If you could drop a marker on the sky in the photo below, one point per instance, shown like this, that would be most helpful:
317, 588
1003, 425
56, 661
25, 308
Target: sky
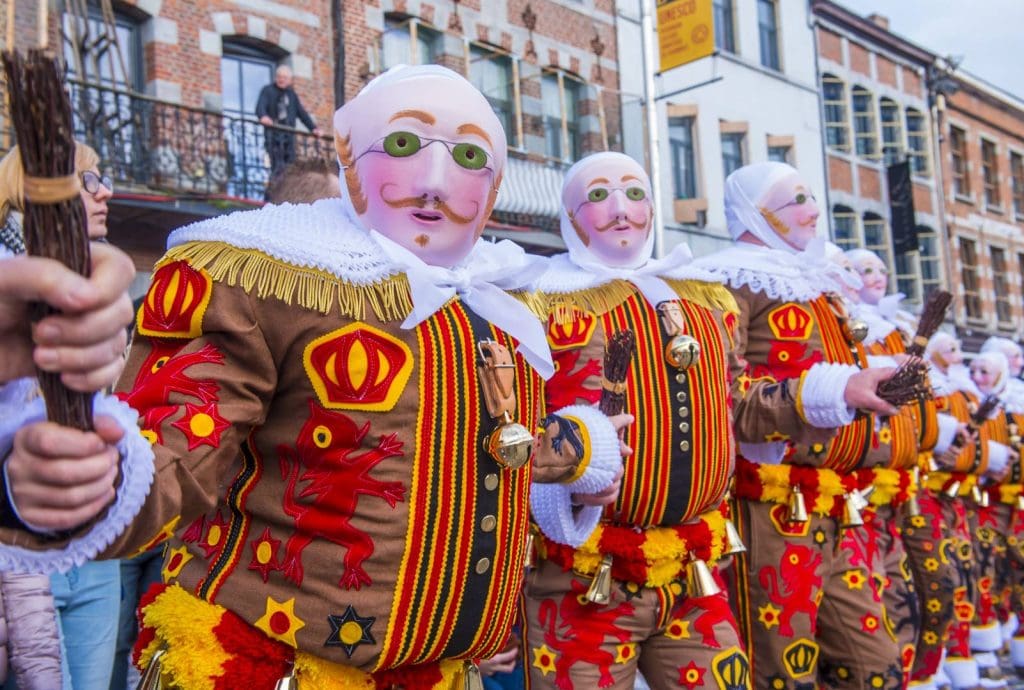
987, 33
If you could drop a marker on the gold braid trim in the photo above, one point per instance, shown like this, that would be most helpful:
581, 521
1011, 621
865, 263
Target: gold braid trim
602, 299
311, 288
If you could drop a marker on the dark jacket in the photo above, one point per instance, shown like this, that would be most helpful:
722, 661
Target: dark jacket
267, 106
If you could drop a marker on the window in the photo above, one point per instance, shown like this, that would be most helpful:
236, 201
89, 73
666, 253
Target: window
724, 36
491, 73
837, 129
732, 152
684, 168
907, 276
876, 238
844, 224
917, 142
90, 57
990, 173
1001, 285
892, 131
1017, 175
864, 127
958, 162
930, 264
768, 30
779, 154
398, 41
969, 277
244, 71
559, 113
1020, 274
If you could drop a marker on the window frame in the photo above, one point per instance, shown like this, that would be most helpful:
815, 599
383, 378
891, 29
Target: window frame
740, 138
569, 136
883, 247
1000, 286
134, 60
773, 59
839, 126
508, 119
970, 279
892, 131
726, 9
920, 157
865, 117
990, 175
1017, 183
840, 214
928, 255
960, 178
676, 149
415, 27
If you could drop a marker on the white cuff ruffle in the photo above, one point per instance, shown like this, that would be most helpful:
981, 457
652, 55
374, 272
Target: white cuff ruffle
822, 395
987, 638
551, 504
998, 456
948, 424
768, 453
137, 470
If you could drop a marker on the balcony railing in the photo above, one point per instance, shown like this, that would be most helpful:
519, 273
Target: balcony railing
151, 144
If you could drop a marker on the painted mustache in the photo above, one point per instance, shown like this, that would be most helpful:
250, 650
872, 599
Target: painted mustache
642, 225
435, 204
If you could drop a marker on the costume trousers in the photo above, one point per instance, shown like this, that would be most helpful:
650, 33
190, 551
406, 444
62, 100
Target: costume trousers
884, 526
989, 526
808, 606
676, 641
934, 541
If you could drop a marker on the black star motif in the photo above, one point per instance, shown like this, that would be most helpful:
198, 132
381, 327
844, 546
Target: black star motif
344, 635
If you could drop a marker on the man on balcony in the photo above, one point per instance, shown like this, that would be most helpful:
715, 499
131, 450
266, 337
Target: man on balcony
278, 107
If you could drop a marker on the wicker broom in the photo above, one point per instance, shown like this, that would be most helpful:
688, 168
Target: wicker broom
55, 223
618, 352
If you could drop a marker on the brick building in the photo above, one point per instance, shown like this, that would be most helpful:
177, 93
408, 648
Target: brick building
875, 108
166, 90
982, 148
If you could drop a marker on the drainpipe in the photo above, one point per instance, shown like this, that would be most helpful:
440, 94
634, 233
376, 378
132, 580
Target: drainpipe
653, 143
812, 21
338, 31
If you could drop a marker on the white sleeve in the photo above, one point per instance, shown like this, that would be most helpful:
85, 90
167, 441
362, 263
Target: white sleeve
822, 400
948, 424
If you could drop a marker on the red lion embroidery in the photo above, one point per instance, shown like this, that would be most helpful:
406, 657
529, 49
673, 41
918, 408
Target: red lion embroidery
786, 361
583, 629
796, 575
565, 386
709, 612
325, 445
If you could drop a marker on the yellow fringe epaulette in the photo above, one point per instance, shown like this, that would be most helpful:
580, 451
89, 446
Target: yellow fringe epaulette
311, 288
603, 298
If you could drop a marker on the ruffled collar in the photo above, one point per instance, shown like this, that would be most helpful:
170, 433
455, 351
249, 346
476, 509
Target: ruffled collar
779, 274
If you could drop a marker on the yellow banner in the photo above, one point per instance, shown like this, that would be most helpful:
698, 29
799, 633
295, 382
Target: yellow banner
685, 32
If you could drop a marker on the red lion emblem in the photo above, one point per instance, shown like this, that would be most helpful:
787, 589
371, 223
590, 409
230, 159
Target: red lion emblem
583, 629
786, 361
796, 575
336, 477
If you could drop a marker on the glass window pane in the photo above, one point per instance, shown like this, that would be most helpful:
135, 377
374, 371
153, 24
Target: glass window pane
724, 39
255, 75
768, 31
732, 152
231, 84
680, 135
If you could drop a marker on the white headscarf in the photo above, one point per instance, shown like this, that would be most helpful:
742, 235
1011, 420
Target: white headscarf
644, 271
998, 362
744, 190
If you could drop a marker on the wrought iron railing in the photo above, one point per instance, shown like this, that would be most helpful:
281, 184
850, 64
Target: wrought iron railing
152, 144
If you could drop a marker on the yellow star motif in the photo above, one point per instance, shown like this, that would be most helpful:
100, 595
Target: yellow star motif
175, 561
929, 637
544, 659
280, 621
918, 521
931, 565
854, 579
165, 533
625, 652
678, 630
934, 605
885, 435
768, 616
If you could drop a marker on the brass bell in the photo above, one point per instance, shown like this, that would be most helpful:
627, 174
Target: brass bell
980, 496
953, 490
851, 511
733, 542
528, 559
151, 679
700, 581
860, 496
912, 507
473, 681
682, 351
511, 444
1020, 501
600, 591
287, 682
797, 509
858, 330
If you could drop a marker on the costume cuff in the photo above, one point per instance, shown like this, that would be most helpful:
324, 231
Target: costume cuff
882, 362
770, 453
985, 638
998, 457
137, 471
821, 398
551, 504
14, 395
948, 424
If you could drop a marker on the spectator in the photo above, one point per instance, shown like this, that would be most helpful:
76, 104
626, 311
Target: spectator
278, 108
304, 182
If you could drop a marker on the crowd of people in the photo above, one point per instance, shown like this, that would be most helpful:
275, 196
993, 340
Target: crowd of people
367, 448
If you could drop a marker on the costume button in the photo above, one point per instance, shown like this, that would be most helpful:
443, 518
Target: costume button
488, 523
684, 427
684, 412
681, 396
483, 565
491, 482
680, 378
684, 446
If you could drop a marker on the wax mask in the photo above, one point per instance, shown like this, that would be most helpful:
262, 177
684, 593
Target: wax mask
423, 155
791, 210
1010, 349
945, 351
874, 275
839, 258
988, 371
607, 199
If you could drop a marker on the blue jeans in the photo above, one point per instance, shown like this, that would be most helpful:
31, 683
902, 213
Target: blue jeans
137, 574
87, 599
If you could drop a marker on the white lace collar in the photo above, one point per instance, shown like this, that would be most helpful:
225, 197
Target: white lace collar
783, 275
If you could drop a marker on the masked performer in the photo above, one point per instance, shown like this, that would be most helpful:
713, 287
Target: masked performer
341, 399
598, 607
806, 602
